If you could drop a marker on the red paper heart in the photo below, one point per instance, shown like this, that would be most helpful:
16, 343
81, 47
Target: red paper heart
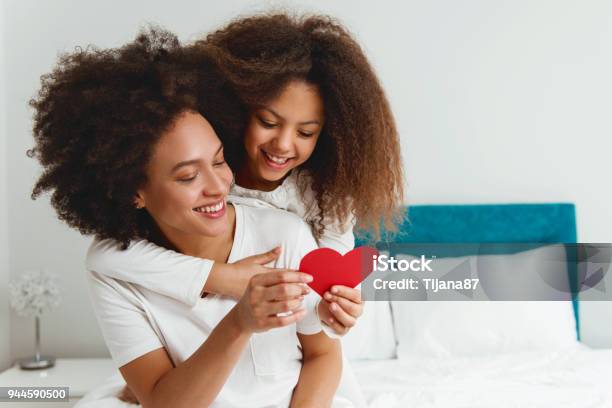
329, 268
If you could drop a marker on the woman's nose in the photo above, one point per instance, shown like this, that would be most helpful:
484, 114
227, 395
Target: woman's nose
215, 185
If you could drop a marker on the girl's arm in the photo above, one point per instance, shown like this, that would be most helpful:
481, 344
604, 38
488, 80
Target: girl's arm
154, 267
338, 237
340, 309
321, 371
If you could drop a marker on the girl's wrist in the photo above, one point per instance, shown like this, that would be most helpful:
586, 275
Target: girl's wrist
226, 280
240, 276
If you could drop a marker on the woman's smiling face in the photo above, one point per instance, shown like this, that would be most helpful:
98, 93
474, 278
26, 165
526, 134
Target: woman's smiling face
187, 180
281, 135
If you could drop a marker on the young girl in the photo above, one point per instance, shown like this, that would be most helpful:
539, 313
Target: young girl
116, 132
317, 138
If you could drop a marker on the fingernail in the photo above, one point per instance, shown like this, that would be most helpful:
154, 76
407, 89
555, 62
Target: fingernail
327, 296
332, 306
331, 320
307, 278
334, 290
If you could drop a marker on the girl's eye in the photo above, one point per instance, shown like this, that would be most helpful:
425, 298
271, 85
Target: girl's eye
305, 134
219, 163
266, 124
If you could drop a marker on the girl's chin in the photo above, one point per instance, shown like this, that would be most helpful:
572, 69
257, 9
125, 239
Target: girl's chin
273, 178
272, 175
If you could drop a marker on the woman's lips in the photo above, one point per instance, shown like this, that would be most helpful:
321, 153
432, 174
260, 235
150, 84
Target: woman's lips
213, 214
273, 164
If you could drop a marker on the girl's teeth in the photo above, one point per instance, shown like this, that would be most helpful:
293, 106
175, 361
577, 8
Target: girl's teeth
276, 159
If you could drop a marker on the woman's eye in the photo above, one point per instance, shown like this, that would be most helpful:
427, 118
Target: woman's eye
187, 179
219, 163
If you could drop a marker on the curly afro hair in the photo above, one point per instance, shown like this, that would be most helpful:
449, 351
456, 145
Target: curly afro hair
356, 166
99, 114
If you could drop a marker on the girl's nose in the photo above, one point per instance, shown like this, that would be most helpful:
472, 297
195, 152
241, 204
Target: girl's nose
284, 140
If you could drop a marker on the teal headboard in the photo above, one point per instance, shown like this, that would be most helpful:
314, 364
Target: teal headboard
487, 223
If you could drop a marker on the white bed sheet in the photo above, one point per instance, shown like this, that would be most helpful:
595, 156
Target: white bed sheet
575, 378
578, 377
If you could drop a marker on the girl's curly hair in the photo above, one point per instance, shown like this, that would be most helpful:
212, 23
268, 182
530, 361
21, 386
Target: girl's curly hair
356, 166
99, 114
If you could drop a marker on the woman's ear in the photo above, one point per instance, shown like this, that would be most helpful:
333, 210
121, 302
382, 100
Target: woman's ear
139, 201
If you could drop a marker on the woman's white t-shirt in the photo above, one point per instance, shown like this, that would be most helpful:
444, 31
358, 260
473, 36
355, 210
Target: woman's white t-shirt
135, 320
152, 266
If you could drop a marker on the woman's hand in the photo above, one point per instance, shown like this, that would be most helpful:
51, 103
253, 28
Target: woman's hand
272, 299
126, 395
340, 308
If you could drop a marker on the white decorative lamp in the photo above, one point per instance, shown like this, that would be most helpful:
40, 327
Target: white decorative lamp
33, 294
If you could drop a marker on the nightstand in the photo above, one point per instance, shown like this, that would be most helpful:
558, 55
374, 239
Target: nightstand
79, 374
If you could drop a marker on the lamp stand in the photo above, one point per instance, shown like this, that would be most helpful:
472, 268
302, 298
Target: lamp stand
38, 361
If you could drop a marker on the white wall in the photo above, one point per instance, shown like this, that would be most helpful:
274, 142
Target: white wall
497, 101
5, 356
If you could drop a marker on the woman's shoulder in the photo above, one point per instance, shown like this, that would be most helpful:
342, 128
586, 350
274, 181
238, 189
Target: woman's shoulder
262, 229
269, 218
271, 226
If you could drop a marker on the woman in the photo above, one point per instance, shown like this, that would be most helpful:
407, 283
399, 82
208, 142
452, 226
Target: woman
119, 134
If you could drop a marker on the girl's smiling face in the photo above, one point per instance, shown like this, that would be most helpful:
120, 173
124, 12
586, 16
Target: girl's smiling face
281, 135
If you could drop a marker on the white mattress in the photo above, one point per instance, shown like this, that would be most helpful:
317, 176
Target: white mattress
580, 377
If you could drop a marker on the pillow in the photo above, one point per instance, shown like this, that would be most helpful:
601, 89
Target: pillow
477, 328
372, 337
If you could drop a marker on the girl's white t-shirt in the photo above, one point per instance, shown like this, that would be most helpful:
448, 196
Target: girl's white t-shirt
288, 197
135, 320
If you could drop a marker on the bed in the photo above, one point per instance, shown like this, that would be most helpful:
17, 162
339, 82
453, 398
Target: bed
484, 354
471, 354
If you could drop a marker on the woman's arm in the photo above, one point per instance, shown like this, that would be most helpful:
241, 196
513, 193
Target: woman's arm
321, 371
154, 267
197, 381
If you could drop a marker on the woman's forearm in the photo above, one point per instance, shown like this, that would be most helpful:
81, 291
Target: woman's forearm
318, 379
198, 380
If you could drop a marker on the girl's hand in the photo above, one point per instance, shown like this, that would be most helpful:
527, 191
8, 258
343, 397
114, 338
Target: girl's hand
270, 294
341, 308
232, 279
